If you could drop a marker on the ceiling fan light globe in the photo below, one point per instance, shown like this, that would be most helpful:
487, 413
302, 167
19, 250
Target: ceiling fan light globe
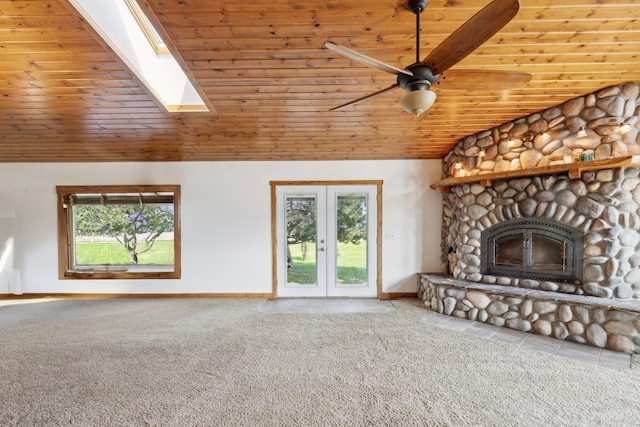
417, 101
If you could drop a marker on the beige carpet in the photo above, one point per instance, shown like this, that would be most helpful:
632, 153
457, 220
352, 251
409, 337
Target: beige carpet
223, 362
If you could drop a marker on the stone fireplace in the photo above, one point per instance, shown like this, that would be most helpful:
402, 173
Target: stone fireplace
537, 240
596, 214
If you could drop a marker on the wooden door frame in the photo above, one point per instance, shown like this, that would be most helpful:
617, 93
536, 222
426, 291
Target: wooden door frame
274, 250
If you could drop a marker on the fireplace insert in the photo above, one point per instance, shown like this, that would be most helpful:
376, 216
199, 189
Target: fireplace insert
532, 248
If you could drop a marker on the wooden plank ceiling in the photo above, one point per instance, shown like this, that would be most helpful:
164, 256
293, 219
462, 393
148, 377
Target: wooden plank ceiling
262, 64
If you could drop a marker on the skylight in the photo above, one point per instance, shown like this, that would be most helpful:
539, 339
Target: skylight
129, 32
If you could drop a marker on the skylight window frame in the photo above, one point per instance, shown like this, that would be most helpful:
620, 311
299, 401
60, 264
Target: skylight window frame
192, 98
147, 28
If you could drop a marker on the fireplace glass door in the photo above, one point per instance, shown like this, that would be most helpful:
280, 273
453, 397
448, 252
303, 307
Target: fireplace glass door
533, 251
528, 248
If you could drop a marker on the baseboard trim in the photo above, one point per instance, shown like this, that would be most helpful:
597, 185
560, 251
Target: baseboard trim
386, 295
398, 295
198, 295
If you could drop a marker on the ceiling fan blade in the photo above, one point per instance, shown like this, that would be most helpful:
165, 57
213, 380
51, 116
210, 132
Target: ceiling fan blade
482, 80
366, 60
371, 95
472, 34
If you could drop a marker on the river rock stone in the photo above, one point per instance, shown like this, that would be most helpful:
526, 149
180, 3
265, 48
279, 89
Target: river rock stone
471, 260
575, 328
518, 130
579, 188
581, 314
529, 159
595, 289
634, 260
497, 308
542, 327
630, 91
526, 308
484, 199
547, 147
619, 149
620, 328
527, 207
633, 276
609, 91
545, 196
593, 273
605, 175
566, 197
565, 314
496, 320
560, 331
623, 291
478, 299
449, 305
542, 307
592, 250
573, 107
510, 315
477, 211
589, 207
628, 237
460, 314
598, 315
612, 105
458, 294
621, 343
596, 335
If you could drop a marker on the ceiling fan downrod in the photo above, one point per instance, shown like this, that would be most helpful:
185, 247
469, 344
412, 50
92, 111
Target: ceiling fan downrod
417, 7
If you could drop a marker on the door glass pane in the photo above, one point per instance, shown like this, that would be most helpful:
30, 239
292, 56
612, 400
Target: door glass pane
509, 251
548, 253
301, 231
351, 239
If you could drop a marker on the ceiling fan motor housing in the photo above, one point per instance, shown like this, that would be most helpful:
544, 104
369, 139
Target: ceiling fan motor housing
422, 79
417, 6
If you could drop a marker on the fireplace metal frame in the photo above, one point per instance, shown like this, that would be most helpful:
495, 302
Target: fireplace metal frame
573, 241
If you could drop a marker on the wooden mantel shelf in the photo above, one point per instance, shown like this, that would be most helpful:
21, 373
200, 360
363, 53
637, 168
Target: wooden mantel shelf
574, 170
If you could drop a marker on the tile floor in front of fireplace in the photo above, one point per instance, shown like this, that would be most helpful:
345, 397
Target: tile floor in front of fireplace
584, 353
581, 352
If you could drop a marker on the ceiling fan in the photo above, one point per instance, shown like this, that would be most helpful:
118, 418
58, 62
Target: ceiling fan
418, 78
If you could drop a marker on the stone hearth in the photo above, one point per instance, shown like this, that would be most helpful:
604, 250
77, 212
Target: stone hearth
600, 322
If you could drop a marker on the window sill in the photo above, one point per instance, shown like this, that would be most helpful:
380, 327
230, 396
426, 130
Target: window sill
121, 272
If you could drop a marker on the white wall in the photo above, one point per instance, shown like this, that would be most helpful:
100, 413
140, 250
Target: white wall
225, 220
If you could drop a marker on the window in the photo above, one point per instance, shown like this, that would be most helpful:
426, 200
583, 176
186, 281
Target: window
144, 47
119, 232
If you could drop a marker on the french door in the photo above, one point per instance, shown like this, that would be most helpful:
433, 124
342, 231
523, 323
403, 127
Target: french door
326, 240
